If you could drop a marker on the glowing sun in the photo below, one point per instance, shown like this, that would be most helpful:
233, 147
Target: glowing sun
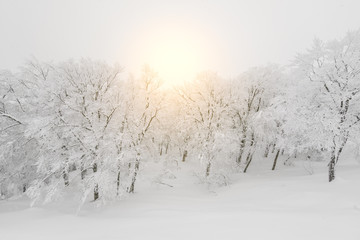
177, 55
176, 60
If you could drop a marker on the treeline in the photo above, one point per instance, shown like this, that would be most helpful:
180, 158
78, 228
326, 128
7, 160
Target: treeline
84, 125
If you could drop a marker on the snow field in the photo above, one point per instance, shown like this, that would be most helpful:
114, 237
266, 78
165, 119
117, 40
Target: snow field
286, 204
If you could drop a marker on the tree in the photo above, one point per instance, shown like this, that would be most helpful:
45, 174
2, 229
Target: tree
252, 93
142, 106
79, 134
207, 104
333, 71
17, 152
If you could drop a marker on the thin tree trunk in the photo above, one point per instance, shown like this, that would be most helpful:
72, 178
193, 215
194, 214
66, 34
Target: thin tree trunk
96, 192
332, 169
136, 170
275, 160
242, 147
166, 148
184, 155
83, 173
118, 183
250, 153
82, 170
332, 166
208, 167
341, 149
66, 178
250, 157
96, 188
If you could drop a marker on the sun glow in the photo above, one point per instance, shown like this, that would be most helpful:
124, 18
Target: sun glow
175, 60
176, 54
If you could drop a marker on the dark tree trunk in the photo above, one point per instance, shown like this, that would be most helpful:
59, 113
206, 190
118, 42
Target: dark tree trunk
82, 170
96, 188
184, 156
275, 160
341, 149
66, 178
118, 183
238, 160
208, 167
332, 166
250, 157
96, 192
136, 170
250, 153
335, 157
166, 148
242, 147
83, 174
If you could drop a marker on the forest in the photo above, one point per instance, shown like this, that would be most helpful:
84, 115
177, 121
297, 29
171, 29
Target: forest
84, 126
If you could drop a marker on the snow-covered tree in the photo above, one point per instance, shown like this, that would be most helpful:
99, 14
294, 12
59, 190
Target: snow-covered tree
142, 105
206, 100
17, 153
252, 93
332, 70
79, 135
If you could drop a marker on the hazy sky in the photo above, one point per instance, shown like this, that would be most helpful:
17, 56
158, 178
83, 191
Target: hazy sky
225, 36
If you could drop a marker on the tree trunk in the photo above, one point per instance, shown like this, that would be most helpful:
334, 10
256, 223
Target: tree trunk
136, 170
66, 178
238, 160
82, 171
96, 188
184, 155
275, 160
208, 167
250, 157
341, 149
83, 174
166, 148
96, 192
332, 166
251, 152
118, 183
242, 147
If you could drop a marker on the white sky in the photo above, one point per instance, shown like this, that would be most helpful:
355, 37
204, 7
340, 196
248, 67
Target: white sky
227, 36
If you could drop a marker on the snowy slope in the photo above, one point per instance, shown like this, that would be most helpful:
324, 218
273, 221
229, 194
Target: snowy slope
285, 204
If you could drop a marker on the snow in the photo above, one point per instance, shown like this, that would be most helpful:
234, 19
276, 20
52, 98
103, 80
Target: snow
288, 203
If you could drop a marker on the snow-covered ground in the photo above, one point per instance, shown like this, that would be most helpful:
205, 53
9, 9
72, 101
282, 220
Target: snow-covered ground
285, 204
